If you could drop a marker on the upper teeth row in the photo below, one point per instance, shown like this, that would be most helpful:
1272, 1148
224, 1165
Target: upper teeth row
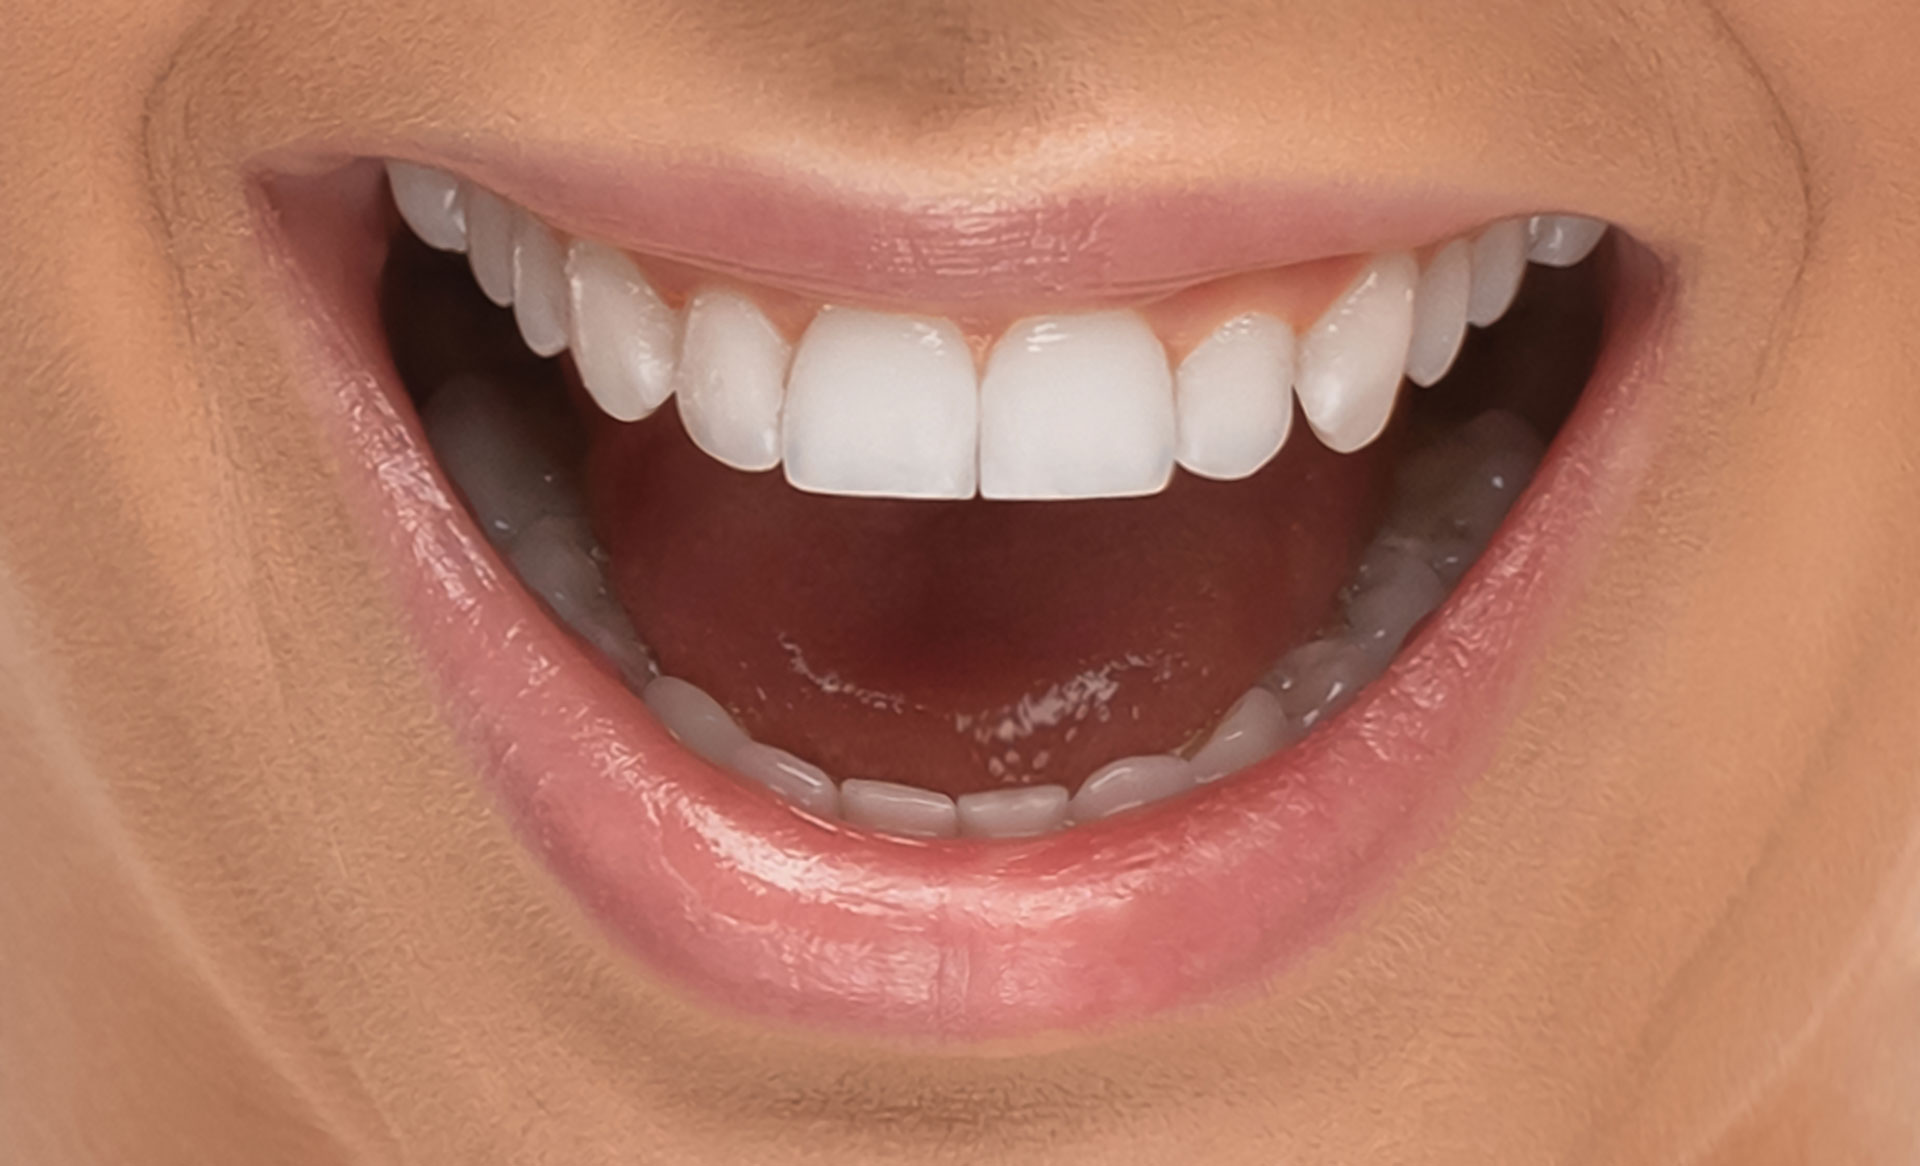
1069, 406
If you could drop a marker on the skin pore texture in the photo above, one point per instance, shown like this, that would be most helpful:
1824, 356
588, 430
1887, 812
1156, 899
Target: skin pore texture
259, 908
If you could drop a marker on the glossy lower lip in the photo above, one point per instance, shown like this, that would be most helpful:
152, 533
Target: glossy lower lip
761, 911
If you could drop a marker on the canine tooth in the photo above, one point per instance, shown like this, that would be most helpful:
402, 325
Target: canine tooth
1076, 407
695, 719
733, 368
624, 336
1233, 397
805, 785
1013, 813
554, 559
881, 405
1318, 679
1440, 313
898, 809
1562, 240
429, 200
489, 242
1396, 590
1131, 782
481, 441
1253, 730
1499, 264
539, 285
1352, 358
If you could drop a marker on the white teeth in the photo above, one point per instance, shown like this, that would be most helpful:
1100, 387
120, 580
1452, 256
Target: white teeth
1076, 407
1318, 679
881, 405
1233, 397
489, 242
898, 809
1351, 360
539, 285
1395, 589
695, 719
554, 559
1562, 240
733, 366
806, 786
624, 336
1254, 729
429, 200
1013, 813
1499, 264
1131, 782
481, 439
1440, 313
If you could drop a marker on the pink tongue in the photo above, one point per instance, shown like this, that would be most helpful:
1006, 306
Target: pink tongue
962, 646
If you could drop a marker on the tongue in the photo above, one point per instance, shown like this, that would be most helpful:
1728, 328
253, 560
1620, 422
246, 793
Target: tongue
961, 646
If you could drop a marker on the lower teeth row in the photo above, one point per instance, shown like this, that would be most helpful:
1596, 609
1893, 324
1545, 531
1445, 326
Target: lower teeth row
1450, 495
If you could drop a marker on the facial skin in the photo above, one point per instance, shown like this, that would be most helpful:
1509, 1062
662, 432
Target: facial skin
259, 909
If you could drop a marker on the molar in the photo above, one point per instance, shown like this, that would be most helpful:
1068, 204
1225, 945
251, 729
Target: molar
429, 200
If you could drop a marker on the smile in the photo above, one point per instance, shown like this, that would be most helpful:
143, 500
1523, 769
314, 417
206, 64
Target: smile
957, 651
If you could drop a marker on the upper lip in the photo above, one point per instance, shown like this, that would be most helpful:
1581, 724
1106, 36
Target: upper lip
942, 252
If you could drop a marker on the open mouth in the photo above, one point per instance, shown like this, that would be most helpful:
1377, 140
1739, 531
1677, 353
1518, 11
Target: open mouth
967, 666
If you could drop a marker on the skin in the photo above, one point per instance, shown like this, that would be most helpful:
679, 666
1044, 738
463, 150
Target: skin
259, 910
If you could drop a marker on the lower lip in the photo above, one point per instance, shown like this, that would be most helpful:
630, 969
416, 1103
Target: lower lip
763, 911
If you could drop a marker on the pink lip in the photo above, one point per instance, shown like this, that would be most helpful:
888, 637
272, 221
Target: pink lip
766, 912
953, 254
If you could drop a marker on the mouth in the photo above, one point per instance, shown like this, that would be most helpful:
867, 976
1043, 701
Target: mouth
959, 650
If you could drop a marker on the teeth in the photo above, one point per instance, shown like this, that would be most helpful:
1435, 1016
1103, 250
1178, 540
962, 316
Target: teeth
489, 243
733, 365
1233, 398
539, 285
1440, 313
429, 200
1395, 589
1351, 361
554, 559
898, 809
481, 439
806, 786
1076, 407
1013, 813
1499, 264
695, 719
1131, 782
624, 335
1562, 240
1318, 679
1254, 729
881, 405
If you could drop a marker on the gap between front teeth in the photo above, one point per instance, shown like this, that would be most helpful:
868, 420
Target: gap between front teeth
1450, 495
881, 404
